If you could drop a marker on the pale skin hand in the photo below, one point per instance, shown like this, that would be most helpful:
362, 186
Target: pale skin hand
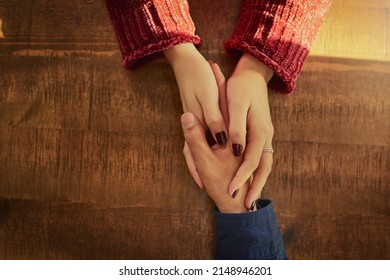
250, 125
198, 92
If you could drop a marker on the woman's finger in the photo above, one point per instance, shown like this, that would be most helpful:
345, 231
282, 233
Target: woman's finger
251, 161
237, 127
259, 180
212, 114
239, 106
221, 83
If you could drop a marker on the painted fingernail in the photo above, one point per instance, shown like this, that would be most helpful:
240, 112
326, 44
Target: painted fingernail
253, 205
221, 138
210, 139
237, 150
235, 193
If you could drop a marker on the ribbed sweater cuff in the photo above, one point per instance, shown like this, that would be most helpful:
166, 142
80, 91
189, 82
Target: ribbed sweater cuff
279, 34
144, 28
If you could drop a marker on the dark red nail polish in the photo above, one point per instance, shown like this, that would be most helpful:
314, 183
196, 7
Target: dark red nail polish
237, 150
235, 193
221, 138
210, 139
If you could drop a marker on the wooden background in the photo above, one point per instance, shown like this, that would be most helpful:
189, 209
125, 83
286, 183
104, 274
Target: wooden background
91, 163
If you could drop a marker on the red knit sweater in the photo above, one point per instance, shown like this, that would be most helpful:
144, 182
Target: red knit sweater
279, 33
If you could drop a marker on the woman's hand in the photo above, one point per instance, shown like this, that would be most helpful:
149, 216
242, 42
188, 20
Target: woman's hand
216, 166
198, 88
198, 92
250, 126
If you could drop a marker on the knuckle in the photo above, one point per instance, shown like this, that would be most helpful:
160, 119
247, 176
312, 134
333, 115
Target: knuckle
192, 140
266, 129
235, 135
213, 120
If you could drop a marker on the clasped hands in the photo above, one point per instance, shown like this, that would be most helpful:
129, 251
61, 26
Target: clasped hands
234, 170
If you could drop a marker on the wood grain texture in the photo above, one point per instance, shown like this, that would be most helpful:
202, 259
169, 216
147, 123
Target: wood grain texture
87, 231
91, 163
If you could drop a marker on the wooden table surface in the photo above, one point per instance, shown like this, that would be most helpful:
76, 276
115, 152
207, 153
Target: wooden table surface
91, 163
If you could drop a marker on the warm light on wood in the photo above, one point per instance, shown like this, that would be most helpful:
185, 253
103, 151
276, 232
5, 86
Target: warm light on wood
355, 29
1, 30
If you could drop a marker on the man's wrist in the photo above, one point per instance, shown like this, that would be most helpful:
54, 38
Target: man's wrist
232, 209
227, 204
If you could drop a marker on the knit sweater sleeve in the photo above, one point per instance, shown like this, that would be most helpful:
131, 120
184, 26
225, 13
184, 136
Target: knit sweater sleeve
279, 33
144, 28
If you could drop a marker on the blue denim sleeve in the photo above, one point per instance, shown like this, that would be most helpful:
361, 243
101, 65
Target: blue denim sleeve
249, 236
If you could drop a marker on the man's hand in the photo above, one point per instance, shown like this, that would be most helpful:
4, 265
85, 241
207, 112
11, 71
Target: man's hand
216, 167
